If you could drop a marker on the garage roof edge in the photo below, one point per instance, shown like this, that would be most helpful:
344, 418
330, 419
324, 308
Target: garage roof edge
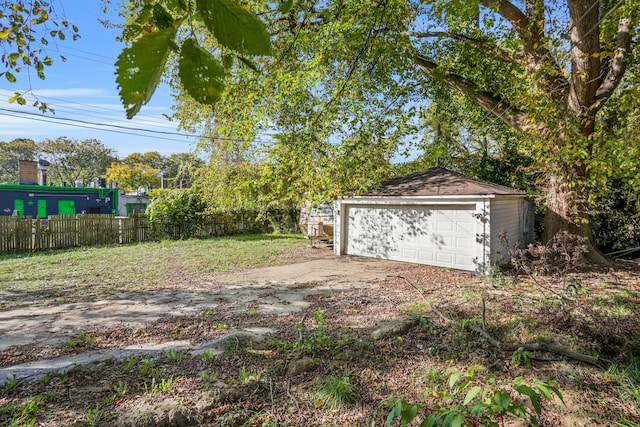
439, 182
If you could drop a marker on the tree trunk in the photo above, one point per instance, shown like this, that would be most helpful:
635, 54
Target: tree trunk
565, 208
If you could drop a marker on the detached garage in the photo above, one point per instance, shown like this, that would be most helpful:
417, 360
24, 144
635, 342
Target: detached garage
433, 217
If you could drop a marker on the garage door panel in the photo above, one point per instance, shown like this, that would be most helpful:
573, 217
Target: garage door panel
436, 235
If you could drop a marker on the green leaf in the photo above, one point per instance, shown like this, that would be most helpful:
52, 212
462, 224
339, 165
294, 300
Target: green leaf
471, 394
457, 421
285, 6
200, 73
533, 396
502, 398
10, 77
161, 18
139, 68
453, 379
235, 27
249, 64
408, 414
544, 391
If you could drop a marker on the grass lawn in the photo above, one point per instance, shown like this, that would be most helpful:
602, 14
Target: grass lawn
107, 270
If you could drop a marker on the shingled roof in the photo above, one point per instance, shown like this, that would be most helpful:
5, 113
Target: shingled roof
439, 182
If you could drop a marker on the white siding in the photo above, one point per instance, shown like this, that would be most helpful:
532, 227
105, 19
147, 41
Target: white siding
455, 232
510, 215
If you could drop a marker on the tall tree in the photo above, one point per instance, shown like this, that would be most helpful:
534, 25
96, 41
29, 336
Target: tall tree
73, 160
10, 153
131, 177
151, 158
564, 60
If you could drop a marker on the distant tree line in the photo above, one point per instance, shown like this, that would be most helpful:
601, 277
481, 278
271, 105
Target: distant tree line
72, 160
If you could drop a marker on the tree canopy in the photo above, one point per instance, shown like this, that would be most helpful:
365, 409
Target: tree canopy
350, 85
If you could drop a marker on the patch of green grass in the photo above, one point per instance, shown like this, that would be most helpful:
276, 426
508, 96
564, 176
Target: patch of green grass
109, 270
627, 379
85, 340
17, 415
335, 393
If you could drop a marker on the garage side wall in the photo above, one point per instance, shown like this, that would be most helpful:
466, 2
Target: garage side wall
510, 215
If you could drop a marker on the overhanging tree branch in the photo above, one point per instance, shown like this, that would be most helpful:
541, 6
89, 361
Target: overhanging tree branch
496, 106
481, 45
536, 57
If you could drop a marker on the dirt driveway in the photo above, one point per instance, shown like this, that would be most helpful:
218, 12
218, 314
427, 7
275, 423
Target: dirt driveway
277, 289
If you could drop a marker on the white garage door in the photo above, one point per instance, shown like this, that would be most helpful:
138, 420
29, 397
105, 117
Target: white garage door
434, 235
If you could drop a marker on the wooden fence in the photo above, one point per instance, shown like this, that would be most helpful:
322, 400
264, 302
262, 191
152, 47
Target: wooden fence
67, 231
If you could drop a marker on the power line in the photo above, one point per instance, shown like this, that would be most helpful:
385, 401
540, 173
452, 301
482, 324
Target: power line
87, 125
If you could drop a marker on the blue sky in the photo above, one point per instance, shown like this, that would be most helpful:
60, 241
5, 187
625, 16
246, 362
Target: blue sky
83, 93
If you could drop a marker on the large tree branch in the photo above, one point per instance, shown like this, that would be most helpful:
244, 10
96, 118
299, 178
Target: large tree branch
529, 32
496, 106
536, 56
483, 46
617, 65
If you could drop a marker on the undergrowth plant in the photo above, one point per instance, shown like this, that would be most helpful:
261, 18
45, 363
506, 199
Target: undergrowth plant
10, 382
85, 340
17, 415
627, 379
470, 401
335, 393
313, 340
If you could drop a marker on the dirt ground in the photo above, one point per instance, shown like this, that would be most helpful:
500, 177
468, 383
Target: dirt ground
253, 347
278, 290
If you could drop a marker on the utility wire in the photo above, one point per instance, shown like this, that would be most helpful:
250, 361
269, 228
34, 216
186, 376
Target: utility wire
81, 124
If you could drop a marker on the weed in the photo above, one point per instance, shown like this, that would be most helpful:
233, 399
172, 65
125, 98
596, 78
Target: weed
209, 377
521, 357
85, 340
46, 379
121, 388
208, 357
165, 384
94, 416
11, 382
335, 393
174, 355
417, 308
628, 379
146, 365
16, 415
249, 376
253, 311
469, 400
221, 326
313, 340
432, 376
129, 364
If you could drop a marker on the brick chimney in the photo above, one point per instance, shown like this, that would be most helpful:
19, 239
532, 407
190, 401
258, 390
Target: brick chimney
27, 172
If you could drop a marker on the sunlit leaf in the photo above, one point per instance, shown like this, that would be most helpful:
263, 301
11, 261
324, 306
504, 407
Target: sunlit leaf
140, 67
235, 27
200, 73
286, 6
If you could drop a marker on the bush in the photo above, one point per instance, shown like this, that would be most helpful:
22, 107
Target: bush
176, 214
